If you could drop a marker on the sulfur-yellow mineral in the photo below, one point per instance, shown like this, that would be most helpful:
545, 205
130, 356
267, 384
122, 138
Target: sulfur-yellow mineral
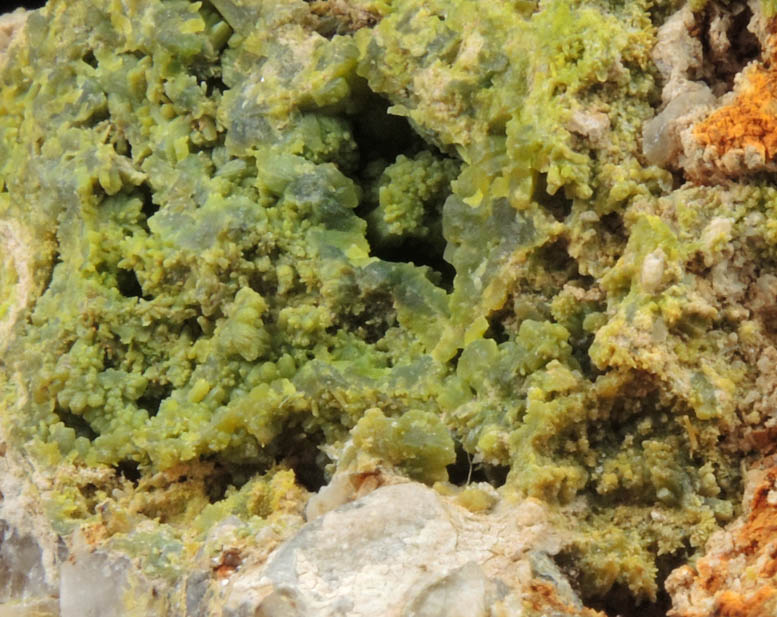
523, 252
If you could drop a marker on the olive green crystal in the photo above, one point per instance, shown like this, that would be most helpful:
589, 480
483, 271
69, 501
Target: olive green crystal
274, 238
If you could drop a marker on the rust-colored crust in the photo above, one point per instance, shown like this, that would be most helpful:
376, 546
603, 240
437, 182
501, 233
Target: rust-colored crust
749, 121
738, 575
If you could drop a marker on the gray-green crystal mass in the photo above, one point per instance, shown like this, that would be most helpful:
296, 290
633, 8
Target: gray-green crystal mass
269, 238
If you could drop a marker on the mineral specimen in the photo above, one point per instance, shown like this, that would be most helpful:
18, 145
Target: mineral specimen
521, 252
440, 558
737, 575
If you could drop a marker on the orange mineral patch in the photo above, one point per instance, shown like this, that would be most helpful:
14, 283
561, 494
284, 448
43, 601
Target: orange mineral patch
737, 577
709, 577
733, 604
761, 527
749, 120
543, 596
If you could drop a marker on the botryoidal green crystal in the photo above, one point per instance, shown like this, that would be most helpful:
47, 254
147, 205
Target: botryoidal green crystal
274, 238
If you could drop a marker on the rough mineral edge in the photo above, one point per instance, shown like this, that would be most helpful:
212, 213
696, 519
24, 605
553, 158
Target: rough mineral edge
31, 552
409, 552
738, 573
10, 26
721, 135
214, 319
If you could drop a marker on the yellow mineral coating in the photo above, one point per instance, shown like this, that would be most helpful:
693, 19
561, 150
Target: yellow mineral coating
254, 242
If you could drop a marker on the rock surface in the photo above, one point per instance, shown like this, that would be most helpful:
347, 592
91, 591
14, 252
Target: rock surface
738, 573
361, 307
31, 553
402, 550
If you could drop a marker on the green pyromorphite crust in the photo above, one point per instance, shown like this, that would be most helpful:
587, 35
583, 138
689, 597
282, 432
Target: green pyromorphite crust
241, 213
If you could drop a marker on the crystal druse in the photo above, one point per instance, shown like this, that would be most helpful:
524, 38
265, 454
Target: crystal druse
249, 244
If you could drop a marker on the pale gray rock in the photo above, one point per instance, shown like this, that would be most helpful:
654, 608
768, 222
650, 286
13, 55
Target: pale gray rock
464, 592
30, 550
390, 549
21, 568
93, 585
678, 54
404, 551
107, 583
661, 135
197, 587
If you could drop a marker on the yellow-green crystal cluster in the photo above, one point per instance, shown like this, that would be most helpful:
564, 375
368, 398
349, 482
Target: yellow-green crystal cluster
244, 215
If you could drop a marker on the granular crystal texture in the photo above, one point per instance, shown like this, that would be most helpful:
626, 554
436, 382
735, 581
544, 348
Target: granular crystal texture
736, 576
266, 262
